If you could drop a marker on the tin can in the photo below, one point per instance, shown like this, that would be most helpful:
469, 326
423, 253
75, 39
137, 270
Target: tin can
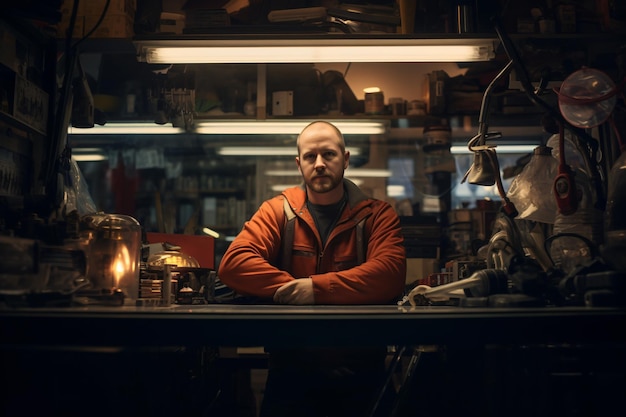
398, 106
374, 102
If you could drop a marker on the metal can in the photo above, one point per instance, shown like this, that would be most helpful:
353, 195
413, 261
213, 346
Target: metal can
374, 102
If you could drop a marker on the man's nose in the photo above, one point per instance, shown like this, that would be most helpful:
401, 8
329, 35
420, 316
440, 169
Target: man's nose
319, 162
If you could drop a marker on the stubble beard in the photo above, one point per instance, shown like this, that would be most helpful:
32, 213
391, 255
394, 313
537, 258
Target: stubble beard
326, 185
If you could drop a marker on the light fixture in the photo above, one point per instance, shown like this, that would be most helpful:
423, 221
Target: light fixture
139, 128
367, 173
278, 188
501, 149
233, 127
396, 191
284, 127
336, 49
268, 151
89, 154
350, 172
89, 157
210, 232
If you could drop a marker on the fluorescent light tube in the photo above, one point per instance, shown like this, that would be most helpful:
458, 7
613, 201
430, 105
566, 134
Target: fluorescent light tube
257, 151
196, 51
277, 188
269, 151
350, 172
89, 157
284, 127
232, 127
367, 173
501, 149
138, 128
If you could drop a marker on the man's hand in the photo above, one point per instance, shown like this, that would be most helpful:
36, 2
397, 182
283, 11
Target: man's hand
298, 291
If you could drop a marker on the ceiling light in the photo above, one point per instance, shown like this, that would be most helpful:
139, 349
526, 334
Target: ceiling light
128, 129
268, 151
396, 191
339, 49
285, 127
89, 157
257, 151
350, 172
501, 149
233, 127
210, 232
368, 172
89, 154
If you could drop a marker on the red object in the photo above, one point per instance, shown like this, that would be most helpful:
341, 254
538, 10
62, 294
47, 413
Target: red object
124, 185
202, 248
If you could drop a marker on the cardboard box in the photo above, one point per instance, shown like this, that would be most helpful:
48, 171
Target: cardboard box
118, 22
113, 26
116, 7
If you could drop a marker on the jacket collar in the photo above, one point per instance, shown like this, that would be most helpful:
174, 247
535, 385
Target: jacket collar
297, 195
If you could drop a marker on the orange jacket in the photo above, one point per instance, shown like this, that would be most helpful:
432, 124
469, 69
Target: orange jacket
248, 266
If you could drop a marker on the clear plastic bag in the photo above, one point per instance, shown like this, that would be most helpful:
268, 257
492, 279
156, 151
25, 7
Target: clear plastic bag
77, 196
531, 191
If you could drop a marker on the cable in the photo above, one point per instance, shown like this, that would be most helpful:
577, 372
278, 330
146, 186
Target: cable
98, 23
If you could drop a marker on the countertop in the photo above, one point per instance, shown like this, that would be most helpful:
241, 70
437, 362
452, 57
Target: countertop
262, 325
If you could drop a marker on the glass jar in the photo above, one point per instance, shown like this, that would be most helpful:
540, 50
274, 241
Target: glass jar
113, 249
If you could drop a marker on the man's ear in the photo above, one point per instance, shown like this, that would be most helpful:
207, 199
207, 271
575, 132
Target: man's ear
346, 158
298, 164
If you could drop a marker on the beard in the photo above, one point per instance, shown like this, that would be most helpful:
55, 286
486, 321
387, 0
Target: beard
324, 184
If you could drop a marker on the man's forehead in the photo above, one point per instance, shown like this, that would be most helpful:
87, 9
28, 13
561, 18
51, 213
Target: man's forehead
319, 144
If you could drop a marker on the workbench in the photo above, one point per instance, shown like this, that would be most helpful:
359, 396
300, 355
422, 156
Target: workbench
258, 325
158, 361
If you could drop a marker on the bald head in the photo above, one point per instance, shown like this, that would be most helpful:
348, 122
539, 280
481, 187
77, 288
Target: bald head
337, 133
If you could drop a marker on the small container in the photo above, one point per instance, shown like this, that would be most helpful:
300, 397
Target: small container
113, 249
416, 108
185, 295
374, 102
397, 106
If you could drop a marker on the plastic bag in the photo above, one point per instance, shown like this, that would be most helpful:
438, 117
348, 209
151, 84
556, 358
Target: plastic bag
531, 191
77, 196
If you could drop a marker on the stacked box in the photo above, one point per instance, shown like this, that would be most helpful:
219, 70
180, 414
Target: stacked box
117, 23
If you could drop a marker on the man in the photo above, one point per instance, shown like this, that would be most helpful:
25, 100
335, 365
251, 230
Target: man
323, 267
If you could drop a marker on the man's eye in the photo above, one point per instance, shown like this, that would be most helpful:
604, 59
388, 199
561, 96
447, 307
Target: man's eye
329, 155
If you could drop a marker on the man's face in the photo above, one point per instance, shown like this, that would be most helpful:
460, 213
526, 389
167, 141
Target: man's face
321, 160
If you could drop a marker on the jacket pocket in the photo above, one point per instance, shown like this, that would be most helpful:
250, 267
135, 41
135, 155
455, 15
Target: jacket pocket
343, 262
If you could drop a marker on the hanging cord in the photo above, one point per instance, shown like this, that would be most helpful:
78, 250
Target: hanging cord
486, 153
586, 143
63, 114
96, 26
